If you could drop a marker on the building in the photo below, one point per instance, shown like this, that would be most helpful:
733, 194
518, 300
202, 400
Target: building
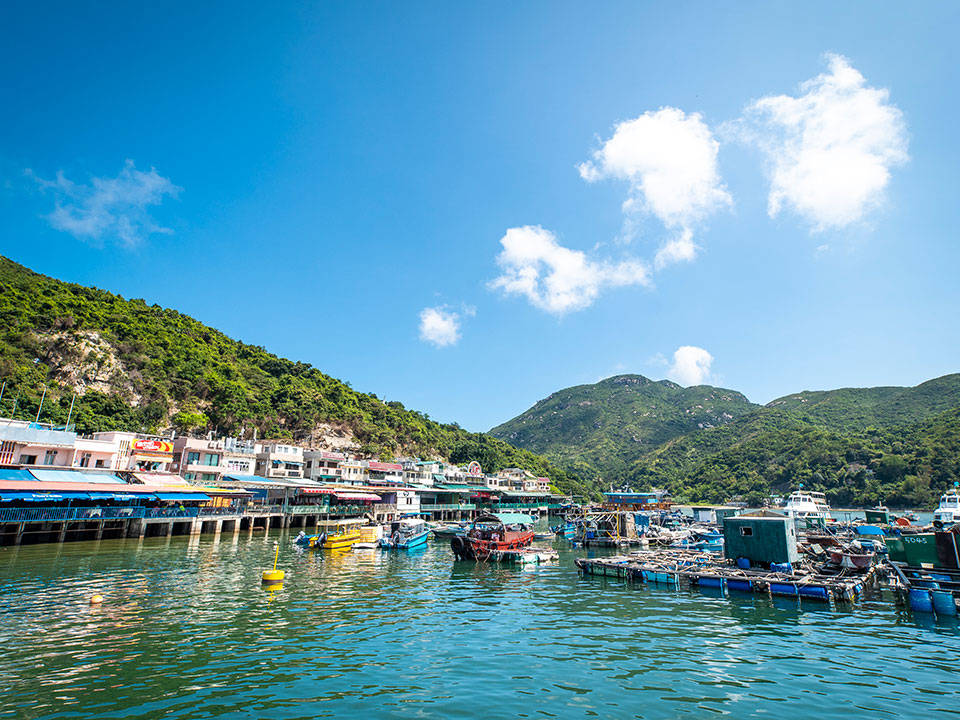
275, 460
27, 443
239, 456
198, 460
653, 500
322, 465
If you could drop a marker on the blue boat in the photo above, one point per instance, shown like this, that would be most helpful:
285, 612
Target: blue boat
566, 529
407, 534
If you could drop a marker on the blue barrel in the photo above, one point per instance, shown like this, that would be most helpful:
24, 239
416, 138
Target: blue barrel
920, 601
713, 582
743, 563
815, 591
943, 602
742, 585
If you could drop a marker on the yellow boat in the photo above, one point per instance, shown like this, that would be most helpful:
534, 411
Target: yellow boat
342, 534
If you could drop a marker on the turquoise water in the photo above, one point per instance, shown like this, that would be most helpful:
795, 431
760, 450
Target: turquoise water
186, 631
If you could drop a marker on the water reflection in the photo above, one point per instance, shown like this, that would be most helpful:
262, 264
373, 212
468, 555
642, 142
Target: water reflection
187, 630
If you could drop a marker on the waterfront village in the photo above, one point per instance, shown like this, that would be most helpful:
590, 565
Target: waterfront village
56, 485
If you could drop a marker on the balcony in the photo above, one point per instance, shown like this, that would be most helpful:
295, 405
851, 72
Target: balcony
447, 506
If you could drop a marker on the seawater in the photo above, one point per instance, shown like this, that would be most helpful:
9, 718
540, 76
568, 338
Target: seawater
187, 631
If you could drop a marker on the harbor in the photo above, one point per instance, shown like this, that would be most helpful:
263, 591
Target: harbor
187, 629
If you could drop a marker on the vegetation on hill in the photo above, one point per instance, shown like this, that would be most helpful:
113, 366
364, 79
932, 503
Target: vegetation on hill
859, 446
146, 368
600, 429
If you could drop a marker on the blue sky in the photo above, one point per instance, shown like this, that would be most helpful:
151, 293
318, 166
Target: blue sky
322, 179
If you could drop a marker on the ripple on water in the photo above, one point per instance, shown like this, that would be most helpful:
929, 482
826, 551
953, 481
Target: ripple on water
187, 631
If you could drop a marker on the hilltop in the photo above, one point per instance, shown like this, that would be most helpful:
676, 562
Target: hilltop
147, 368
603, 427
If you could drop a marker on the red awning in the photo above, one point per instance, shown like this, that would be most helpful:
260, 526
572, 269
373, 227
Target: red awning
317, 491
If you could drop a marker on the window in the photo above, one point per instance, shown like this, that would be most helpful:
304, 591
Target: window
746, 531
189, 476
212, 459
209, 477
50, 457
85, 460
28, 459
193, 457
99, 464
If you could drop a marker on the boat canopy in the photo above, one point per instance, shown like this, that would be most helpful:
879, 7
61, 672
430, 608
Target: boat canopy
342, 522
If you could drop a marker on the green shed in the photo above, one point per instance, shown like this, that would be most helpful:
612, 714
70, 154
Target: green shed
763, 540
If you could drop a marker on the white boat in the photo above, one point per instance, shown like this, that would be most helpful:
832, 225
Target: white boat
370, 536
807, 505
949, 510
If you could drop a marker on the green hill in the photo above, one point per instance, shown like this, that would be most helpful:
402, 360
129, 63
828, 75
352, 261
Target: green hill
859, 445
142, 367
853, 409
602, 428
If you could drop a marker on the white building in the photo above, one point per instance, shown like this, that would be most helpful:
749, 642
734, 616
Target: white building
322, 465
276, 460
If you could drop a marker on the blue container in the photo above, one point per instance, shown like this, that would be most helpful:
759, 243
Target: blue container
815, 592
742, 585
783, 589
785, 568
920, 601
943, 603
710, 582
743, 563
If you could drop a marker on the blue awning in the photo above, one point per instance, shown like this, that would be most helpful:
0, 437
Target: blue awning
15, 475
120, 496
41, 497
181, 496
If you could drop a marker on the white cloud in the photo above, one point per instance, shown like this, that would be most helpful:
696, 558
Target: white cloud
831, 148
109, 207
691, 366
554, 278
440, 326
670, 160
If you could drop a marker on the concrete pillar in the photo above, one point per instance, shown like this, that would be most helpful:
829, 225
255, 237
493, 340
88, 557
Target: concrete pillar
218, 527
170, 529
100, 530
196, 526
63, 532
266, 523
19, 534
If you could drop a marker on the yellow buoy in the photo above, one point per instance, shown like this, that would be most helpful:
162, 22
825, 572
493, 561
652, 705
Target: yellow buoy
96, 599
273, 576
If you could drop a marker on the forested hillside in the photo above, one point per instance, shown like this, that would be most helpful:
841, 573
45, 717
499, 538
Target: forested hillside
859, 445
142, 367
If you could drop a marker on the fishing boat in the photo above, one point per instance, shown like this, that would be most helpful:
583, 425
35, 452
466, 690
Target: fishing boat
304, 540
340, 534
492, 534
370, 536
807, 505
407, 534
949, 510
567, 529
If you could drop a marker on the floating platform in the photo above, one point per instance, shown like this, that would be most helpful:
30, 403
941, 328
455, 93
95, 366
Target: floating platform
680, 568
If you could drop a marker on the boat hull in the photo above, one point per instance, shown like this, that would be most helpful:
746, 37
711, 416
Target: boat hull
341, 542
467, 548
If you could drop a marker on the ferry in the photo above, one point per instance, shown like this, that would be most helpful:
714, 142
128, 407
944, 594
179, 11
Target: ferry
807, 505
492, 534
949, 510
407, 534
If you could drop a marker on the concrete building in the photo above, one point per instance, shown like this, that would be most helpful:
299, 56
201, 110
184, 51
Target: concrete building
322, 465
239, 456
198, 460
276, 460
27, 443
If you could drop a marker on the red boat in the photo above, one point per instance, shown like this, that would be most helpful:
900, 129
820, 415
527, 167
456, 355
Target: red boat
849, 560
488, 535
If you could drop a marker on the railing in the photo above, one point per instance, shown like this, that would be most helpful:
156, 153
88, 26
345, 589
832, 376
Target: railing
264, 510
517, 506
19, 515
447, 506
171, 512
215, 511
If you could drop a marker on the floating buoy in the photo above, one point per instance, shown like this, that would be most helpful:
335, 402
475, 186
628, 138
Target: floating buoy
96, 599
273, 576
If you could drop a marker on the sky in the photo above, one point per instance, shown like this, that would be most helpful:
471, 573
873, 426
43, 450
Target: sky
466, 207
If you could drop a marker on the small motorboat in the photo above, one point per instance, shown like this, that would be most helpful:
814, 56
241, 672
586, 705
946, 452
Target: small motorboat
853, 556
407, 534
449, 530
339, 534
